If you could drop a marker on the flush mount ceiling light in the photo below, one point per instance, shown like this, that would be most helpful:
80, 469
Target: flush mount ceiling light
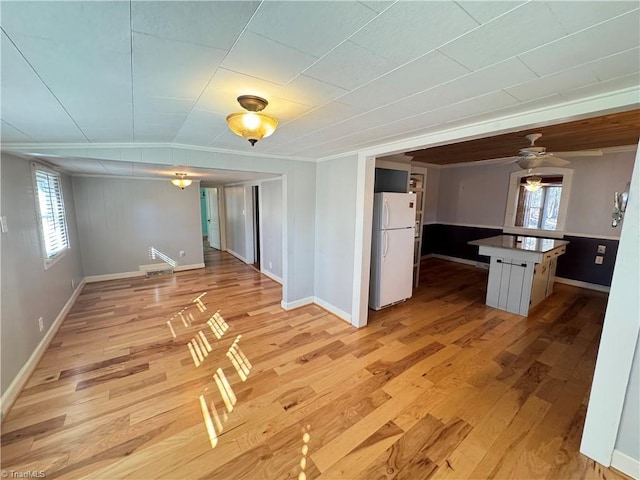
533, 184
181, 181
252, 125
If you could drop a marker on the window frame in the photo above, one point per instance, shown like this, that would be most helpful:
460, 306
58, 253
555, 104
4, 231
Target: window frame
512, 202
49, 261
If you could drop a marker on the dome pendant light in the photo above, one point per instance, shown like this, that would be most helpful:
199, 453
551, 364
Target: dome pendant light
181, 182
252, 124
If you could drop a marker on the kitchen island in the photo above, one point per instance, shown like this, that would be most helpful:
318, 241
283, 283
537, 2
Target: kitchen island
522, 270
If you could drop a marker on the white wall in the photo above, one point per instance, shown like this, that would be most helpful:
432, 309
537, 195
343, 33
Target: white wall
271, 227
628, 441
120, 218
28, 290
335, 233
473, 195
235, 208
477, 195
611, 386
595, 179
431, 195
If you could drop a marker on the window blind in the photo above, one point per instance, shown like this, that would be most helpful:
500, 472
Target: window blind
52, 214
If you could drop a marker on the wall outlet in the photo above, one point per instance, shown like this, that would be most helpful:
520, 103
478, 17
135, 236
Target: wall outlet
182, 253
3, 224
40, 324
270, 265
599, 259
73, 284
602, 249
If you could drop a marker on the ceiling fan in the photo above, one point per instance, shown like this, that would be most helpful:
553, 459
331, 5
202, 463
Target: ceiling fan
535, 156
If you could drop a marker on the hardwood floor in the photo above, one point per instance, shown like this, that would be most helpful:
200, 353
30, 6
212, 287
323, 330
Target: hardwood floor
144, 380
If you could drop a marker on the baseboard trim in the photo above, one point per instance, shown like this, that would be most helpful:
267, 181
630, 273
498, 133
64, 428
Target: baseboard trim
587, 285
238, 256
273, 277
296, 303
18, 383
626, 464
452, 259
332, 309
192, 266
113, 276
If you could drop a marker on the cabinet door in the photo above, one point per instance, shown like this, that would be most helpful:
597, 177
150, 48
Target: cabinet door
540, 278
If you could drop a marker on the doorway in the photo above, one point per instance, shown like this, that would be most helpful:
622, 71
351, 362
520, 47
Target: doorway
213, 217
256, 225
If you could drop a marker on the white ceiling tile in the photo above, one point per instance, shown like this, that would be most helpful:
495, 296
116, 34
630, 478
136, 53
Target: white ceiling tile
30, 108
109, 134
626, 81
522, 29
504, 74
11, 134
408, 30
201, 127
486, 11
621, 34
226, 86
321, 117
289, 23
214, 24
183, 72
485, 103
163, 104
425, 72
150, 120
618, 65
377, 6
263, 58
285, 110
589, 13
309, 91
118, 167
545, 86
350, 66
95, 26
372, 94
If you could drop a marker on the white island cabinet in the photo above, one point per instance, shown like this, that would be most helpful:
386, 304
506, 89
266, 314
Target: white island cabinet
522, 270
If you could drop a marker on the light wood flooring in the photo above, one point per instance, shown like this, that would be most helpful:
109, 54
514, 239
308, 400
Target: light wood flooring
144, 381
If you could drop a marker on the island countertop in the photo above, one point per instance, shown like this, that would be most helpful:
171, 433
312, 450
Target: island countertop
513, 242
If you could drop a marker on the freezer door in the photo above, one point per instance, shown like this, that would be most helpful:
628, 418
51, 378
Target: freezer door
395, 210
395, 267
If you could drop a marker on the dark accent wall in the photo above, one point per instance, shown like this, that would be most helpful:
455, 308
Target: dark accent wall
388, 180
578, 263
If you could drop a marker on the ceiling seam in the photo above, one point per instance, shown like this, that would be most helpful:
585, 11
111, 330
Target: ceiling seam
17, 129
44, 83
214, 74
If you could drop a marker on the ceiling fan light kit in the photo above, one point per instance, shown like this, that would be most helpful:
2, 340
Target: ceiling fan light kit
252, 124
181, 182
533, 183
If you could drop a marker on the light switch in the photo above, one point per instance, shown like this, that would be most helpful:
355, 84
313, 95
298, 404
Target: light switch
602, 249
599, 259
3, 224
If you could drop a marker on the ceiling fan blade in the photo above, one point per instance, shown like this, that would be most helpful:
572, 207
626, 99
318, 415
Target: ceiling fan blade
553, 160
580, 153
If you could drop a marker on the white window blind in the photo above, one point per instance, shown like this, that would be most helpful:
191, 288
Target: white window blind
55, 237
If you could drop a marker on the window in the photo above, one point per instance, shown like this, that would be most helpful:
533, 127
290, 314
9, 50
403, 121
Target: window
539, 208
53, 222
542, 211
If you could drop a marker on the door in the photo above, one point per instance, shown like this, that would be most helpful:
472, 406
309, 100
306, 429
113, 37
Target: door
396, 265
398, 210
214, 218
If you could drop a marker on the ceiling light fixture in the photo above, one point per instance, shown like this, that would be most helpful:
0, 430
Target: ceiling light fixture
181, 181
533, 184
252, 125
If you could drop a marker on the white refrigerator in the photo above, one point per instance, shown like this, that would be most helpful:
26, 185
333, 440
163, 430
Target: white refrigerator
391, 278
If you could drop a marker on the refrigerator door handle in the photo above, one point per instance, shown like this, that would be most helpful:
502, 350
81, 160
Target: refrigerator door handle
386, 213
386, 245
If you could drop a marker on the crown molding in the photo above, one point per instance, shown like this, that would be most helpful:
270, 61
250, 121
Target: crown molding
40, 149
